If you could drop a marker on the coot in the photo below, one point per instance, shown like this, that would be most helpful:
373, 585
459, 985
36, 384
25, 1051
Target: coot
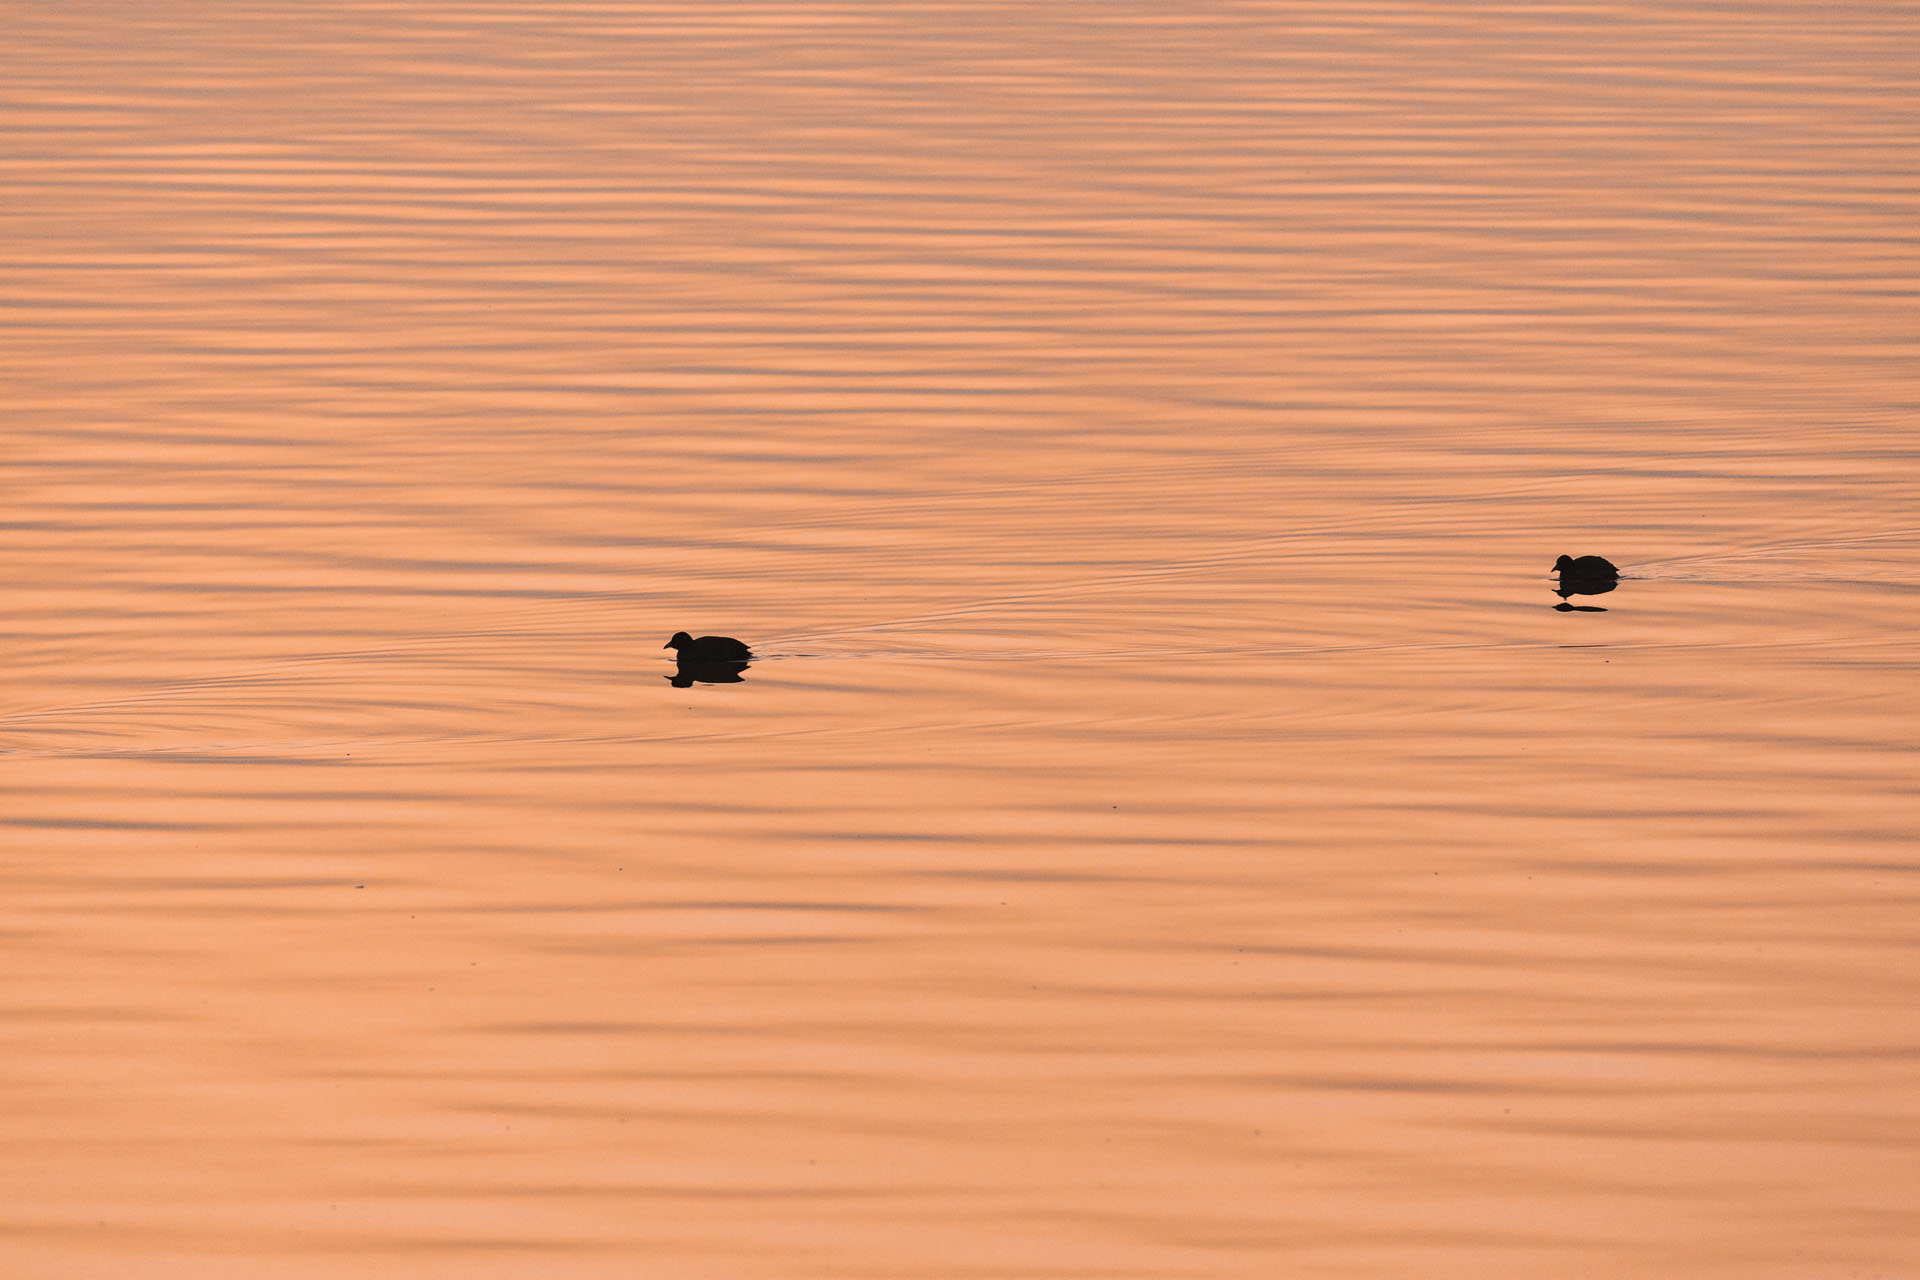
1587, 576
707, 650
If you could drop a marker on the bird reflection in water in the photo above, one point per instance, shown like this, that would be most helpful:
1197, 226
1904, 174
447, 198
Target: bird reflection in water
690, 672
708, 660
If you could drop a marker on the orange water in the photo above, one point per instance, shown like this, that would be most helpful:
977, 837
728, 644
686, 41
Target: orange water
1169, 831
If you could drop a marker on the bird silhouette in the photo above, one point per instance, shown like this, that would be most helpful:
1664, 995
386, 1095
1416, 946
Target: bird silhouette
1587, 576
708, 660
708, 648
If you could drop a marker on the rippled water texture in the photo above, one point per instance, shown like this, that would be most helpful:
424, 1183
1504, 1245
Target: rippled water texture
1168, 831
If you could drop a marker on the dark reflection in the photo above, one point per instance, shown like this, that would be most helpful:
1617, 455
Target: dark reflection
1564, 607
691, 671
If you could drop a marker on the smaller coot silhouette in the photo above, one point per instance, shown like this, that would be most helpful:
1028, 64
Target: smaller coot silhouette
707, 650
1587, 576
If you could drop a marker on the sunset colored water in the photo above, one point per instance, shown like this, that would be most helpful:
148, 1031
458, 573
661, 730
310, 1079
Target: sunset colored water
1168, 831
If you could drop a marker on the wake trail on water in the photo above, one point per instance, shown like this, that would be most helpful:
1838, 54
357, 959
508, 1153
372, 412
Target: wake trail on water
585, 614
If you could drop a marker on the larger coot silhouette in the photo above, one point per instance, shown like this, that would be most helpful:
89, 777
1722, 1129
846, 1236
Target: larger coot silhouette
708, 660
1587, 576
707, 649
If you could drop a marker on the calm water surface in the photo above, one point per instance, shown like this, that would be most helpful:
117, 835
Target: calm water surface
1169, 833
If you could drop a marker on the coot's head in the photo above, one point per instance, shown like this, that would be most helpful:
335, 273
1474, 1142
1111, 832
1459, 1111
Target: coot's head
1561, 565
681, 639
